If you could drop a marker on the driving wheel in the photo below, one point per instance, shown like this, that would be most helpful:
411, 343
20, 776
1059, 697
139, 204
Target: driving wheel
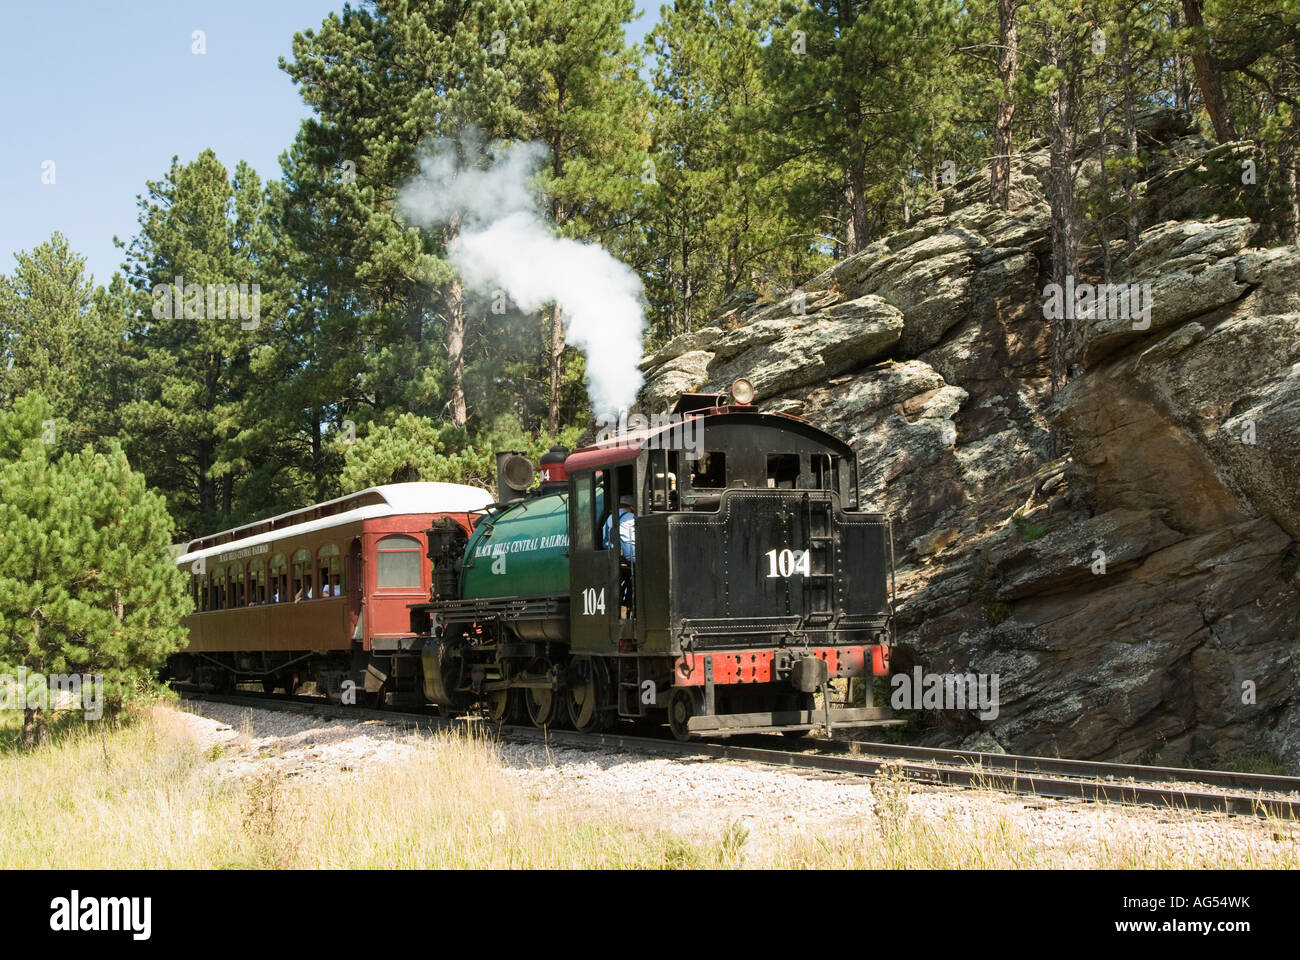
545, 706
588, 696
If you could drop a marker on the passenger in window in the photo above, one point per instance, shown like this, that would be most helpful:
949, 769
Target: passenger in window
626, 527
627, 539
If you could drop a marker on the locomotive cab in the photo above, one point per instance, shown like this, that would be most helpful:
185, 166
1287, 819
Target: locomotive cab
744, 582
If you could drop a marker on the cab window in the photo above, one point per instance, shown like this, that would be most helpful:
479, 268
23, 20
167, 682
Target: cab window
663, 480
583, 523
783, 470
710, 471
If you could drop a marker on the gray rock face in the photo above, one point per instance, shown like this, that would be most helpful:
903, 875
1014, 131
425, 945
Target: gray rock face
781, 353
691, 342
1186, 269
685, 373
1139, 596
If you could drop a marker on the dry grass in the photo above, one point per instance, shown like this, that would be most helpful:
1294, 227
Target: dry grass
149, 796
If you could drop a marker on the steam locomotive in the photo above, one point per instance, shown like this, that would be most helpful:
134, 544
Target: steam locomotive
747, 579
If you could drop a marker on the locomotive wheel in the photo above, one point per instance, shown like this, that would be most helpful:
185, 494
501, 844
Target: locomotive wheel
545, 707
681, 707
268, 685
504, 706
588, 696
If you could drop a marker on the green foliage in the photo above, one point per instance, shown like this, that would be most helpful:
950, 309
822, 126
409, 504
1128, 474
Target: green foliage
194, 398
60, 335
416, 448
1256, 761
716, 219
1026, 529
86, 582
863, 96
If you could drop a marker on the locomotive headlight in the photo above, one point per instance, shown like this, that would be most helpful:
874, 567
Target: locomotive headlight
742, 391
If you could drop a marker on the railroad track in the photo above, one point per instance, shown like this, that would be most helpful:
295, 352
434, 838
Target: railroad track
1173, 788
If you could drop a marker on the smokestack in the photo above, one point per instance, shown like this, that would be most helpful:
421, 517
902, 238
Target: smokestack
555, 479
514, 476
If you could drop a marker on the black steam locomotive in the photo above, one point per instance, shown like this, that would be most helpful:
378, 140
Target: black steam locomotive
710, 567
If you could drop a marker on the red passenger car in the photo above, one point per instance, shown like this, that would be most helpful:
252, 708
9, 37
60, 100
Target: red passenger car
308, 594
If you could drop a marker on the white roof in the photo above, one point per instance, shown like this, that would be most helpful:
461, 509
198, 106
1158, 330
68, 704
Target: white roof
399, 498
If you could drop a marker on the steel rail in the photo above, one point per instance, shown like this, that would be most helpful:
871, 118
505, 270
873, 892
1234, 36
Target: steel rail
1098, 769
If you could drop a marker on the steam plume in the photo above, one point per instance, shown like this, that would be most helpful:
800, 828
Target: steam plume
505, 244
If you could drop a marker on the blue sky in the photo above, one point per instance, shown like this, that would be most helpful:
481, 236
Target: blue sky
111, 91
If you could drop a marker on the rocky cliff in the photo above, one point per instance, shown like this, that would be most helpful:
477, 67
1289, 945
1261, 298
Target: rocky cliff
1138, 596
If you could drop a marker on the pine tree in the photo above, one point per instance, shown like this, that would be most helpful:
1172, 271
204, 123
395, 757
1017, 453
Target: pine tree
87, 586
717, 217
196, 262
852, 86
61, 335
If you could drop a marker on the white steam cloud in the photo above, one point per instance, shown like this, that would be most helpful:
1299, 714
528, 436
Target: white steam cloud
505, 243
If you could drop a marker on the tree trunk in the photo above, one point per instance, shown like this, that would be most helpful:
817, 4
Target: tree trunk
855, 199
1103, 180
1293, 193
316, 454
1061, 132
1290, 157
731, 278
456, 351
1131, 145
1208, 78
556, 356
36, 732
1182, 91
1008, 65
207, 486
686, 274
555, 350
